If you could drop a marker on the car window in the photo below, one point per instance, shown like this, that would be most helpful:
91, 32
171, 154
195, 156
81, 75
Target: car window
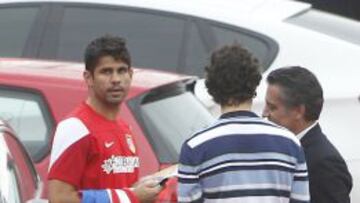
264, 49
196, 53
168, 124
25, 113
15, 24
154, 41
333, 25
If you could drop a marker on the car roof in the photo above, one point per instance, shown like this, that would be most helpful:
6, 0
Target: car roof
143, 78
215, 9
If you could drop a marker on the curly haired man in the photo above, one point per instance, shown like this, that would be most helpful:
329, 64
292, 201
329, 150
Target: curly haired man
241, 157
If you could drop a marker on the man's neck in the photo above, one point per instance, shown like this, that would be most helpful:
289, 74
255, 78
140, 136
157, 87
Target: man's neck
246, 106
303, 125
108, 111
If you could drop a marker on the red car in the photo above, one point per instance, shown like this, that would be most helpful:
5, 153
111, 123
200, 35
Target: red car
160, 108
19, 179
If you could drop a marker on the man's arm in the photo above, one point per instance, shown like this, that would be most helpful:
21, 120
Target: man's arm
62, 192
144, 191
300, 187
189, 189
330, 181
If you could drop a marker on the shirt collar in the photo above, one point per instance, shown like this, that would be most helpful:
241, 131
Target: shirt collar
239, 113
303, 133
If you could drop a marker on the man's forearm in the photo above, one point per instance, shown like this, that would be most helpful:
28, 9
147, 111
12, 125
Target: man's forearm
68, 197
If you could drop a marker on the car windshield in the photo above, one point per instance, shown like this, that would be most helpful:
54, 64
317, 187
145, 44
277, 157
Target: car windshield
329, 24
169, 116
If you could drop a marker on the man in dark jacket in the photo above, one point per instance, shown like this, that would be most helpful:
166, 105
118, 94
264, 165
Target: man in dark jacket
294, 99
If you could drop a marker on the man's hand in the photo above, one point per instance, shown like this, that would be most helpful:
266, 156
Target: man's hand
147, 189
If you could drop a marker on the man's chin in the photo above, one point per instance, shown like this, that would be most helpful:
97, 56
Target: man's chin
115, 101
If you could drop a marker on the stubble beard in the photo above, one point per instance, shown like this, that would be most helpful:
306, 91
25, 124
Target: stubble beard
115, 100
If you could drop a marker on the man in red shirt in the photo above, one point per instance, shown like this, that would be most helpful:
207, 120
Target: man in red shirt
94, 157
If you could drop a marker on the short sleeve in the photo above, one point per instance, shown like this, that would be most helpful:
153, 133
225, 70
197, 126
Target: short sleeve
69, 152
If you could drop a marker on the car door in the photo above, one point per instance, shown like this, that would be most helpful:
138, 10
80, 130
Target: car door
20, 177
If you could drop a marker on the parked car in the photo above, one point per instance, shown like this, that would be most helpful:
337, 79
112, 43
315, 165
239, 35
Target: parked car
160, 108
20, 182
178, 36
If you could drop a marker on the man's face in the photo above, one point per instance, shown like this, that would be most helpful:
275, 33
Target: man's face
276, 111
110, 81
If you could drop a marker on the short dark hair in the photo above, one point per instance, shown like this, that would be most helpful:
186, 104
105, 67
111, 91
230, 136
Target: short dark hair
233, 75
299, 87
106, 45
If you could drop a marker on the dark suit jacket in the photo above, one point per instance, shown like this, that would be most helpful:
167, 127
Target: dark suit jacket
329, 177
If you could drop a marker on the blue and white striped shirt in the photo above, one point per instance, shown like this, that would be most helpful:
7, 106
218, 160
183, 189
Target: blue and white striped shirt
243, 158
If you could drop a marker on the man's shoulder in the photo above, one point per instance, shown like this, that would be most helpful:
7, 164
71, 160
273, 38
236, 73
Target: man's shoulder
72, 125
278, 130
322, 150
225, 127
317, 142
81, 111
81, 115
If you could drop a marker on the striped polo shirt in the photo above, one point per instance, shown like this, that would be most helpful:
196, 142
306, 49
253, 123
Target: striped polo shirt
243, 158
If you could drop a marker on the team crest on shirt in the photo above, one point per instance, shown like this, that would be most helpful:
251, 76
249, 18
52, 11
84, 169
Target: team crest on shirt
130, 143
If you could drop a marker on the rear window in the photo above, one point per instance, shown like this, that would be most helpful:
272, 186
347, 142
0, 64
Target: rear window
15, 24
329, 24
263, 48
154, 40
169, 116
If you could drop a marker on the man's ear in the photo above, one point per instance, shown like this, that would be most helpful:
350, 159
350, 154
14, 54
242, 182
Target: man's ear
88, 78
300, 111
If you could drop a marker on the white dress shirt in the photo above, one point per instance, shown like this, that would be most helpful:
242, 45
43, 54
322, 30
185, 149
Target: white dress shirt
302, 133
